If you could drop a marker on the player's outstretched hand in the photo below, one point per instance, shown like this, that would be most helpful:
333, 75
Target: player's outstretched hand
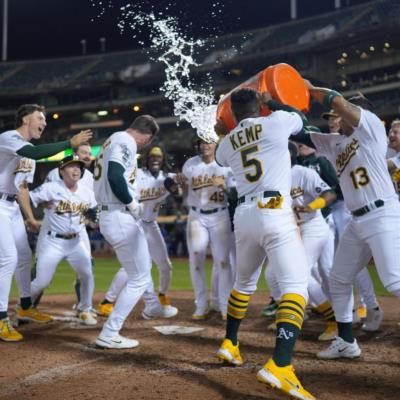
180, 179
265, 97
81, 137
33, 225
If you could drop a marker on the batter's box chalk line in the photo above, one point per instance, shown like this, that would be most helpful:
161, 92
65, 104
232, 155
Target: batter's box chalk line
176, 329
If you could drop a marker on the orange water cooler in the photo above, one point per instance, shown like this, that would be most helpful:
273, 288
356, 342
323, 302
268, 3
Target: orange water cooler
282, 81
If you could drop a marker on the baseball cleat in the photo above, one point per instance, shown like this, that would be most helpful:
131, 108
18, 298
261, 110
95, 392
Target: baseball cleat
200, 314
32, 314
87, 318
105, 310
229, 353
116, 342
373, 320
7, 331
269, 310
163, 312
284, 379
329, 333
340, 349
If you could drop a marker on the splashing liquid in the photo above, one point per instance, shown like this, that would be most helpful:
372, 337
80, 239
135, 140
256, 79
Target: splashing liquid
192, 104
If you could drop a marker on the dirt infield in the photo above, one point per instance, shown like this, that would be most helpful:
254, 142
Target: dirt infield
59, 360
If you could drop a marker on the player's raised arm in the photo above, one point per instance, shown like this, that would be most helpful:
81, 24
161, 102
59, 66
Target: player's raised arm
49, 149
332, 99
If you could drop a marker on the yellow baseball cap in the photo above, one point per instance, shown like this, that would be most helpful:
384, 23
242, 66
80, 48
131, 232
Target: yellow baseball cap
156, 151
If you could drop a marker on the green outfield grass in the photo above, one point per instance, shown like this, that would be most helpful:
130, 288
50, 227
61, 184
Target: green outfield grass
105, 268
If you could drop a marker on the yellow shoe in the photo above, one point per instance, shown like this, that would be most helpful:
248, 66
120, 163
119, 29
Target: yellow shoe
105, 309
164, 300
32, 314
362, 312
329, 333
200, 314
230, 353
284, 379
8, 333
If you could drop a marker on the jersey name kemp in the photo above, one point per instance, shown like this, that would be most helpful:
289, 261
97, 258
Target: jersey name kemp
244, 137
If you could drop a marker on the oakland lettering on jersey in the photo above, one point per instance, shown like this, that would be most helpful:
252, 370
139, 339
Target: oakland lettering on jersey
245, 136
345, 156
66, 206
296, 192
152, 193
25, 165
203, 181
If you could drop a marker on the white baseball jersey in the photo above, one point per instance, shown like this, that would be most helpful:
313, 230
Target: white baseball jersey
257, 151
396, 174
120, 147
14, 169
86, 180
306, 186
201, 191
360, 161
66, 208
152, 192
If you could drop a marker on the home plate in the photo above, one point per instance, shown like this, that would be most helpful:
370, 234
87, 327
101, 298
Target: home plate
176, 329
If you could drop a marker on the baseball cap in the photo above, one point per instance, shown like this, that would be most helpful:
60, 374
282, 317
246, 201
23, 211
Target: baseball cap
331, 113
156, 151
70, 160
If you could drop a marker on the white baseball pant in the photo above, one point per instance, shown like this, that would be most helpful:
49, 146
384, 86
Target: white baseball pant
213, 229
375, 234
159, 254
127, 238
50, 251
314, 234
272, 233
15, 253
363, 282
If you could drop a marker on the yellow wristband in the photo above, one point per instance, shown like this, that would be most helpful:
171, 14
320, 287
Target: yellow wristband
317, 203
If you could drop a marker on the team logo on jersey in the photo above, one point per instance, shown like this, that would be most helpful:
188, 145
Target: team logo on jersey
25, 165
66, 206
152, 193
296, 192
346, 155
202, 181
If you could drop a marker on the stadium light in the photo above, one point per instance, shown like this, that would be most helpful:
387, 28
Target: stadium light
387, 45
136, 108
102, 113
56, 116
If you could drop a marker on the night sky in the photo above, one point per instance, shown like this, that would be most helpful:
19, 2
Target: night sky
54, 28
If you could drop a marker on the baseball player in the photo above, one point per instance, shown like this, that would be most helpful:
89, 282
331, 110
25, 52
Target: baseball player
394, 162
115, 174
15, 254
359, 157
310, 194
84, 153
208, 224
67, 203
341, 217
154, 184
257, 152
